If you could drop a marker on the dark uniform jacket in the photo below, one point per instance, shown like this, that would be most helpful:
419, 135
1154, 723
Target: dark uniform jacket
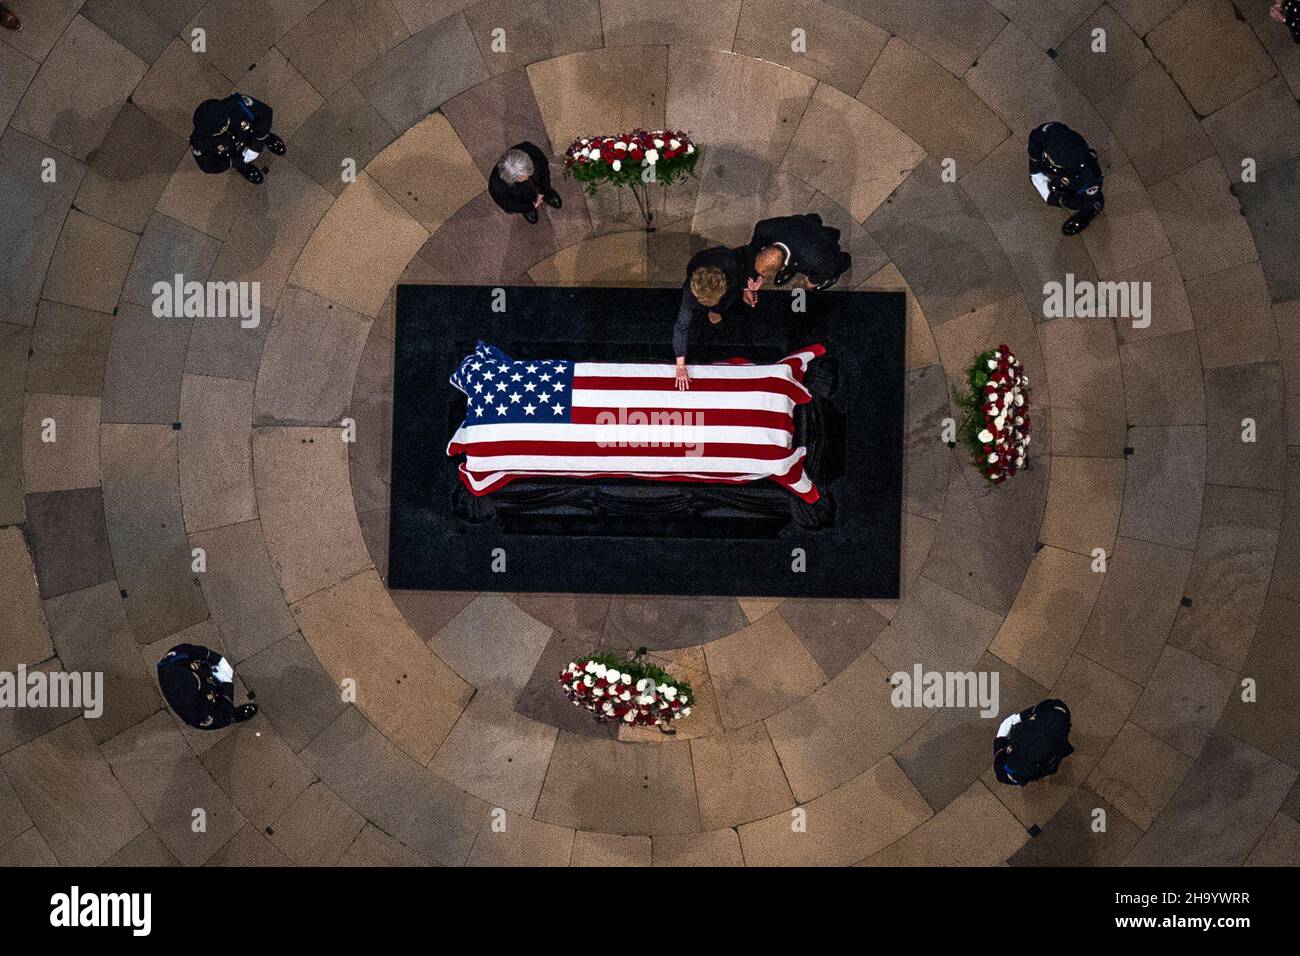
814, 247
522, 197
187, 688
1073, 186
250, 124
736, 264
1038, 744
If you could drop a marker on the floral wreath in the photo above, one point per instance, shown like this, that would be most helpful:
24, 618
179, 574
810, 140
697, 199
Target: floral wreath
995, 428
631, 159
632, 692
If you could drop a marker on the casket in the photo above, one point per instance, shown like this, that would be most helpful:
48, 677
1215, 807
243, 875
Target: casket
539, 418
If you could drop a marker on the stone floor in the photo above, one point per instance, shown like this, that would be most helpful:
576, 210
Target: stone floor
175, 435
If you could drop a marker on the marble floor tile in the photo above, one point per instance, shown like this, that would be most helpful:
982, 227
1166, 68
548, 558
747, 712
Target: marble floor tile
60, 108
80, 809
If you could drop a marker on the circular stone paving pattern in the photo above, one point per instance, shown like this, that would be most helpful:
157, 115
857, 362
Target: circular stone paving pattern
903, 125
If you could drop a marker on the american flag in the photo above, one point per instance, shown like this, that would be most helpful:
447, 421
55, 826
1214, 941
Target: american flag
548, 417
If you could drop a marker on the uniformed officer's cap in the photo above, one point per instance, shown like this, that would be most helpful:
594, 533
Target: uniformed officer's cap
1067, 148
210, 117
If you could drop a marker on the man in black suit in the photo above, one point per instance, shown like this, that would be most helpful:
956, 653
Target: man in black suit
521, 182
232, 133
785, 246
717, 279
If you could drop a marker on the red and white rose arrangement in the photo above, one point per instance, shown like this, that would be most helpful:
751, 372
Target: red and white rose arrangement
996, 426
631, 692
631, 159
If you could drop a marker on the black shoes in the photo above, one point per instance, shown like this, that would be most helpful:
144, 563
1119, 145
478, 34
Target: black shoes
1074, 225
244, 712
252, 174
553, 199
275, 144
531, 217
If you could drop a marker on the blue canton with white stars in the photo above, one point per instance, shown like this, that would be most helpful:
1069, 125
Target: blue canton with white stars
503, 391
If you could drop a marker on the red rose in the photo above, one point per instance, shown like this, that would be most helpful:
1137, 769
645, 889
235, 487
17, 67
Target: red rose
607, 154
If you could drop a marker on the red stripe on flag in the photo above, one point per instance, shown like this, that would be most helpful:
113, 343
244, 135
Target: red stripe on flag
772, 384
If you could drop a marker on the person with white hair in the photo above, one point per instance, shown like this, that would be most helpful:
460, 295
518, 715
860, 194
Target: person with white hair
521, 182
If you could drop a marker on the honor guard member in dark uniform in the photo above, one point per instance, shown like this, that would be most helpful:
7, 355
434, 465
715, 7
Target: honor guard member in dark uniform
1030, 745
521, 182
1287, 12
233, 132
1066, 173
199, 684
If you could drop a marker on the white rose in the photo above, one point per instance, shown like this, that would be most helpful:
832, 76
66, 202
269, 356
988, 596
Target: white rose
674, 144
689, 149
626, 695
1020, 461
588, 681
630, 716
992, 364
659, 143
601, 670
616, 165
670, 692
591, 667
993, 457
685, 712
643, 683
620, 145
651, 156
985, 436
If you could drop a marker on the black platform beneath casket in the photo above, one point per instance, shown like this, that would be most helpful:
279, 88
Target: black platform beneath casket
625, 536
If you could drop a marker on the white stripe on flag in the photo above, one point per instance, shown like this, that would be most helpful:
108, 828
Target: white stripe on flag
617, 433
636, 398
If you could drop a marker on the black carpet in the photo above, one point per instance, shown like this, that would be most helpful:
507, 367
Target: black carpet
641, 537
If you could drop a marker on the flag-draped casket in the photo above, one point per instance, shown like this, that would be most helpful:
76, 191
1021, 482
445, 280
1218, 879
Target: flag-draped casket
556, 418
